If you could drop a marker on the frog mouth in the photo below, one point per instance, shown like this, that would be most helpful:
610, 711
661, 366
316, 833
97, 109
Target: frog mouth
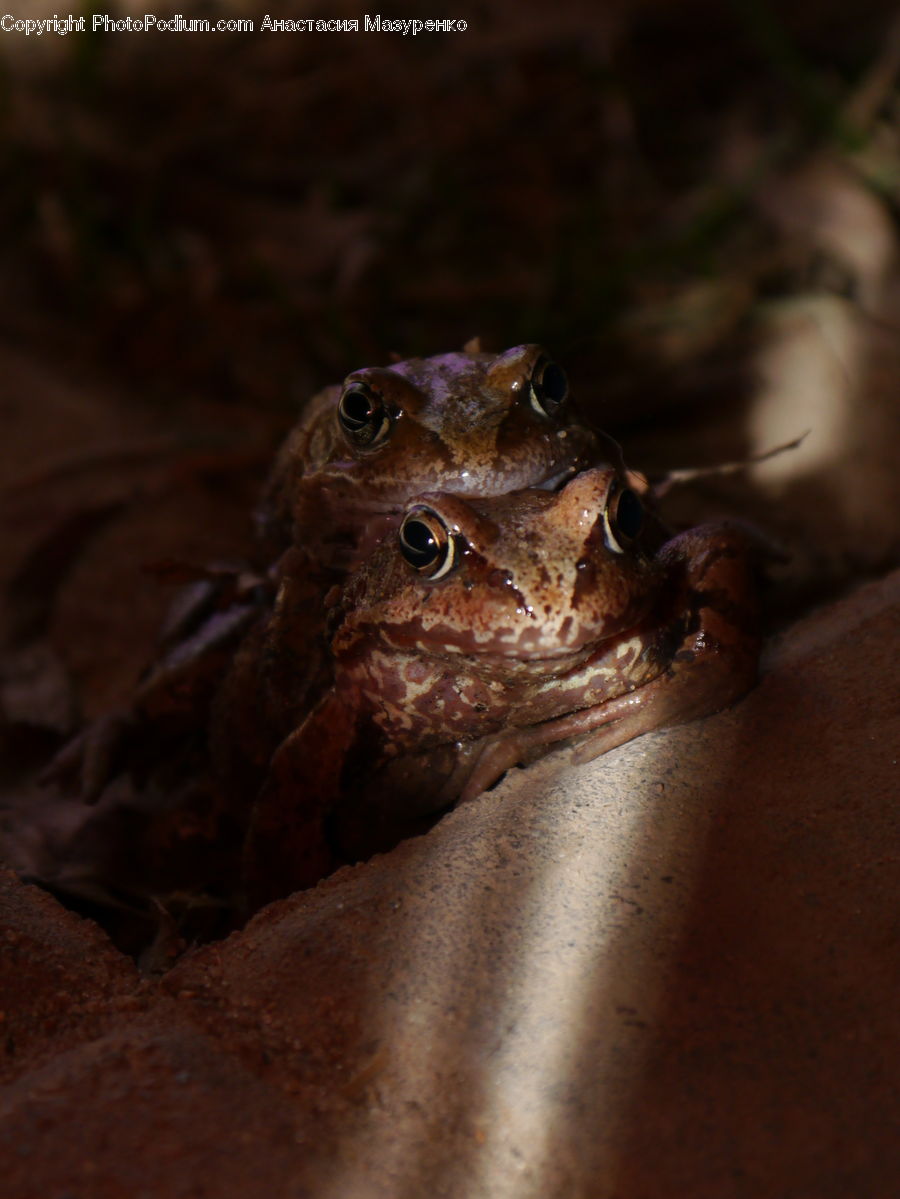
556, 481
605, 452
393, 510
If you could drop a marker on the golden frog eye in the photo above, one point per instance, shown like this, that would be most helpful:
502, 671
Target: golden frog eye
426, 543
362, 415
623, 519
548, 387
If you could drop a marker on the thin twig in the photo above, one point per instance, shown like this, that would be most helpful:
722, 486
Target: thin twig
688, 475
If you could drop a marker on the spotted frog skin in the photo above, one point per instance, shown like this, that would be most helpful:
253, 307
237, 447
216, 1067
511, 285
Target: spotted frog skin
485, 632
470, 423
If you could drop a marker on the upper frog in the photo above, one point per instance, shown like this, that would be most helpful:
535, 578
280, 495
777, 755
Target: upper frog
484, 632
472, 423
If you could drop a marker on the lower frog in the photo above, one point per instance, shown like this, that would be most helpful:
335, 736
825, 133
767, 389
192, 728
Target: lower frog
486, 632
470, 422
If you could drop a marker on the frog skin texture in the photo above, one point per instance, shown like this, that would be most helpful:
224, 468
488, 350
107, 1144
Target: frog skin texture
470, 423
484, 633
237, 671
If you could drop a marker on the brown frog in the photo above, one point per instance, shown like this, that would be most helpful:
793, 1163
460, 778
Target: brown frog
487, 631
471, 423
237, 671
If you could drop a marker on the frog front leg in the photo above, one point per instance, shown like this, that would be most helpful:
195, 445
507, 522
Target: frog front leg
713, 609
171, 702
286, 846
281, 670
717, 659
715, 662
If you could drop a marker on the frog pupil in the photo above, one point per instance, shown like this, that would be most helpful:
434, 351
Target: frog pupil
420, 546
356, 410
629, 514
363, 417
549, 387
554, 385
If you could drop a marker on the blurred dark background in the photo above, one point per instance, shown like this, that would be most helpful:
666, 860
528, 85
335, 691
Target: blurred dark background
251, 214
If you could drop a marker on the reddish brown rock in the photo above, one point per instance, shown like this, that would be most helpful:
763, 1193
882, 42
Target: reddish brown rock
151, 1108
60, 978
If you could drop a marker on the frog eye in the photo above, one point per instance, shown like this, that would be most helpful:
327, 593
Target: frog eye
548, 387
426, 543
363, 416
623, 519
